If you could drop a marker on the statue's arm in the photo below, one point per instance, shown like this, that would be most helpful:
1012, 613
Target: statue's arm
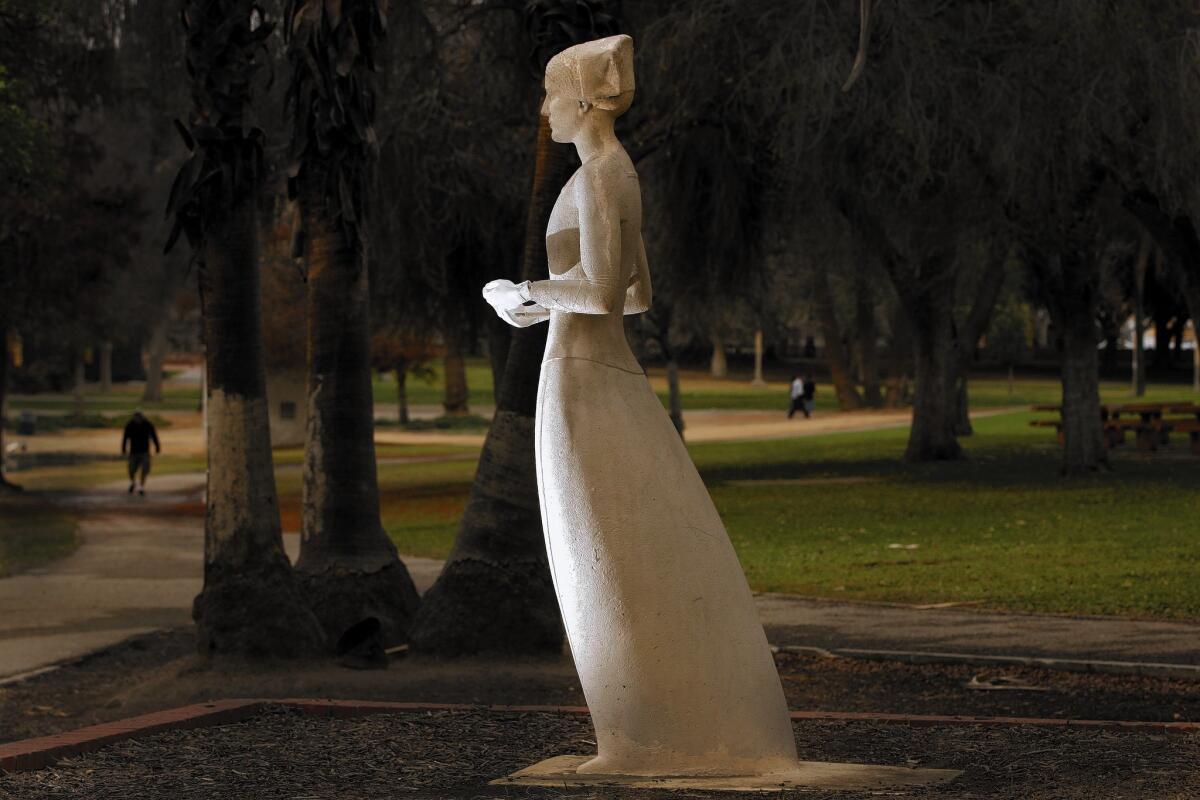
638, 296
600, 289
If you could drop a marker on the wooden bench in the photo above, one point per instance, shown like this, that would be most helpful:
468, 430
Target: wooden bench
1188, 426
1149, 434
1049, 423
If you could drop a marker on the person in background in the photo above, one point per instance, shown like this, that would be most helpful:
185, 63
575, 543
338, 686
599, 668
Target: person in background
139, 432
810, 389
797, 397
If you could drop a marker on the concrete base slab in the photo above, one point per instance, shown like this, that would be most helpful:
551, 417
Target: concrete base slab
560, 772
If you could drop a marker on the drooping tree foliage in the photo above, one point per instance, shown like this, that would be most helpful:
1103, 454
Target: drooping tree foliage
69, 212
250, 604
930, 159
449, 191
351, 571
1099, 114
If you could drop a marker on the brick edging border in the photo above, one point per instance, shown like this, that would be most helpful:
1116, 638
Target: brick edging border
33, 754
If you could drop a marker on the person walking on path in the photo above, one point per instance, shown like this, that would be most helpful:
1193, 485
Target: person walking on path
139, 432
810, 389
797, 397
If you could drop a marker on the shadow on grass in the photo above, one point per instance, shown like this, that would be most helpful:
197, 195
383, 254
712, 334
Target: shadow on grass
33, 533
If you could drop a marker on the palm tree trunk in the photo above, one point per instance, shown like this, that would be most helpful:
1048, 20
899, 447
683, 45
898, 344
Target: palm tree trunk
251, 603
495, 593
349, 567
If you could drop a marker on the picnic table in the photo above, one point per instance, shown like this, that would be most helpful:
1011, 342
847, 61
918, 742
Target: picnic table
1185, 408
1152, 427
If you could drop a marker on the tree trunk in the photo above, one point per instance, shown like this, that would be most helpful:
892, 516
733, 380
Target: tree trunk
456, 400
251, 604
718, 366
1195, 356
1010, 380
78, 380
674, 397
156, 353
106, 364
1139, 298
962, 404
401, 370
1162, 342
499, 339
495, 593
987, 294
350, 570
4, 356
758, 360
867, 333
935, 405
835, 351
1075, 318
1112, 340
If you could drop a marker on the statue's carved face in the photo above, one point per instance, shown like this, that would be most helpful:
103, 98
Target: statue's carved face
566, 116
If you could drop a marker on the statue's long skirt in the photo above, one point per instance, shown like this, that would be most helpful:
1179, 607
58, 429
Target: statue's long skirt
662, 626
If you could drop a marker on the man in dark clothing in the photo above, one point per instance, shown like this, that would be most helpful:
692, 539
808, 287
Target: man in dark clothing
139, 432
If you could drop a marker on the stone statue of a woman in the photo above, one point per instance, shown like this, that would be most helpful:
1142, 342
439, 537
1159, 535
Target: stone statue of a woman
671, 655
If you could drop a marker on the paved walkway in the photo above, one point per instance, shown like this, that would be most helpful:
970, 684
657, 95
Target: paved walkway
185, 436
140, 567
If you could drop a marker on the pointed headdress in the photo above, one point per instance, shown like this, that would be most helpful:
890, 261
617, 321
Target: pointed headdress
600, 72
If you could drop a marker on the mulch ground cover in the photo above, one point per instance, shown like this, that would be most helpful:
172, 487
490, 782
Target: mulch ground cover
450, 755
159, 671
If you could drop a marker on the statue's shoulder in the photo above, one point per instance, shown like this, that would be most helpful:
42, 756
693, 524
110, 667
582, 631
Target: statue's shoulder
604, 175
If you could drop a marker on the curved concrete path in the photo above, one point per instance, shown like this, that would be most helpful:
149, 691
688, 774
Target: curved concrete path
140, 567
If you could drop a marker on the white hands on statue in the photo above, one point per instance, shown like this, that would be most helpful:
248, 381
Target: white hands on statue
508, 301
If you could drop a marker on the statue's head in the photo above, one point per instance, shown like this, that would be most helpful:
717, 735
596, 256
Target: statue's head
593, 78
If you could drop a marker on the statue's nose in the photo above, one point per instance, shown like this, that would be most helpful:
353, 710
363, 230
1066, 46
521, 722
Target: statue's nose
545, 111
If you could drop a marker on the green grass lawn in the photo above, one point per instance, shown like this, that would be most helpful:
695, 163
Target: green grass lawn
699, 392
1000, 530
33, 533
431, 392
735, 392
123, 398
90, 474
